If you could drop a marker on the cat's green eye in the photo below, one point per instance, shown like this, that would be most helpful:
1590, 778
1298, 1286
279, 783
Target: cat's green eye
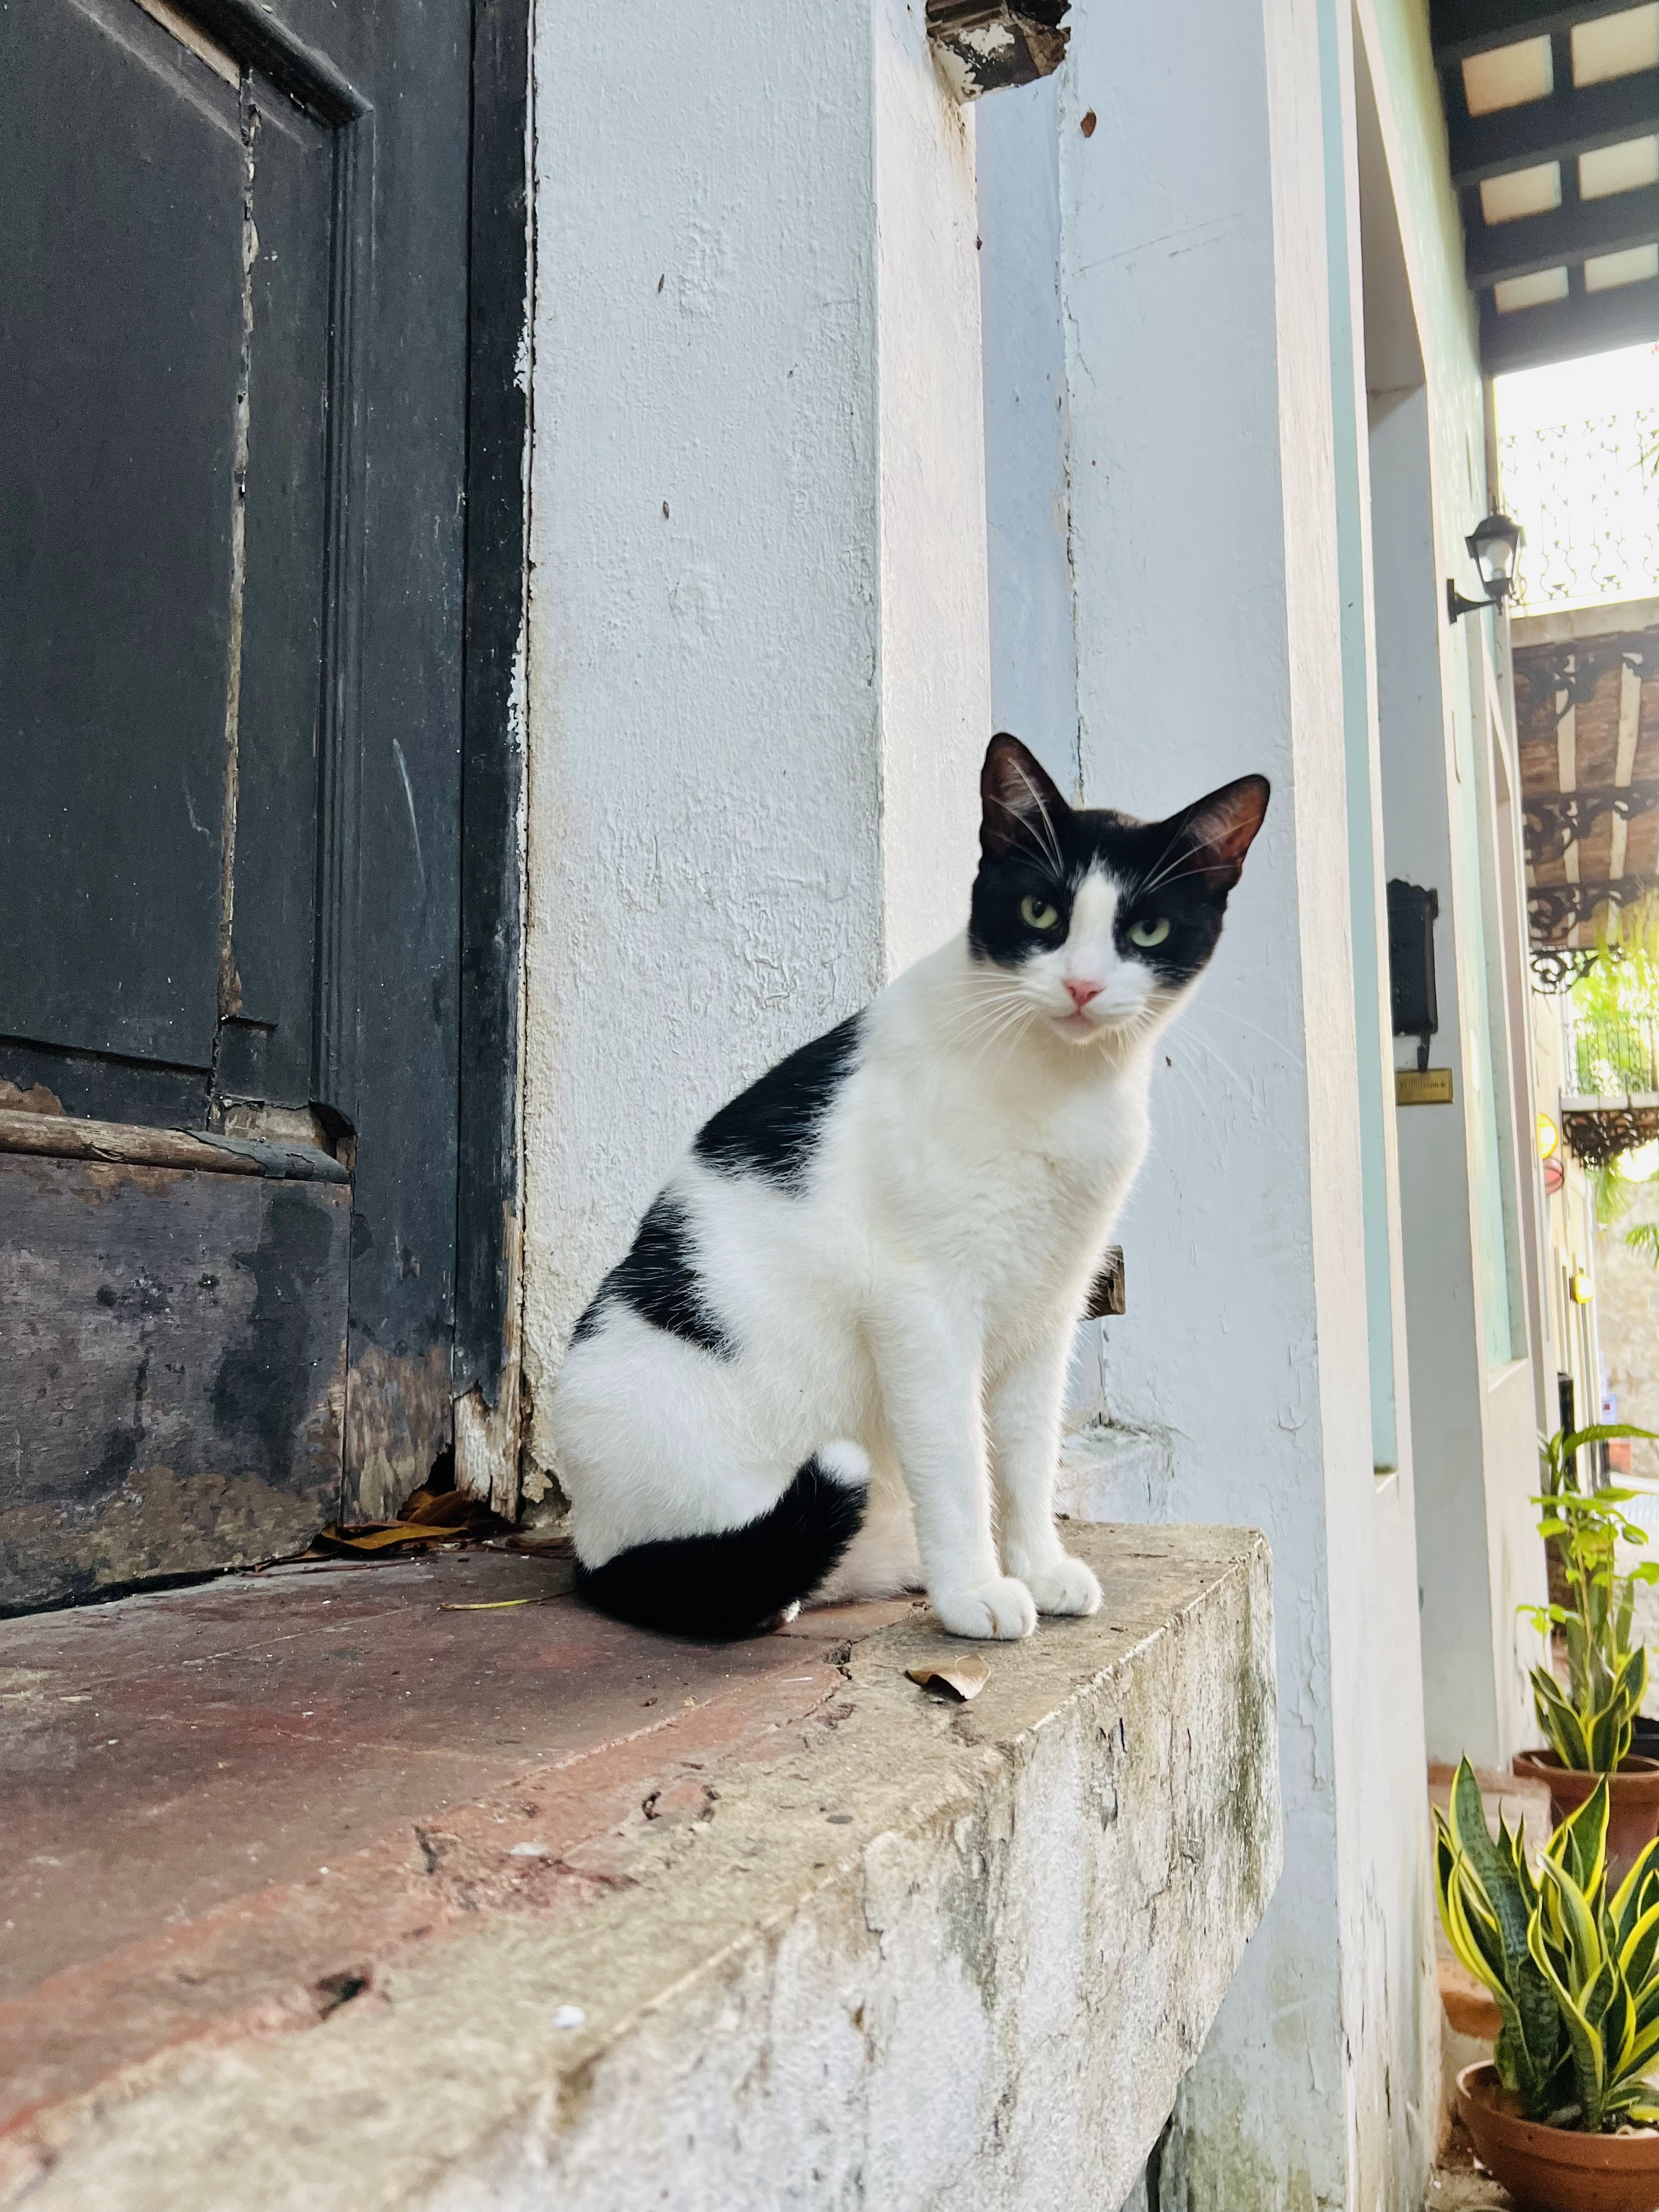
1149, 933
1037, 912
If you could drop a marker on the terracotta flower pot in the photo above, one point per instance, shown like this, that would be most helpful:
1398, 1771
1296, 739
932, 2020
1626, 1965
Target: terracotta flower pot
1555, 2169
1632, 1800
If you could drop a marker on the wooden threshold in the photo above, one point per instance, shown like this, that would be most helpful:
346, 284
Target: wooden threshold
65, 1137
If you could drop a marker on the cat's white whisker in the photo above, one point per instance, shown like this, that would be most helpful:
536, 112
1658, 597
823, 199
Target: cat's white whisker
1009, 1049
1139, 885
1219, 1006
1204, 1044
959, 1028
1040, 804
1205, 1103
1185, 864
1016, 1020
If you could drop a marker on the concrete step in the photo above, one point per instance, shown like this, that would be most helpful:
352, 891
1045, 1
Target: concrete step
584, 1917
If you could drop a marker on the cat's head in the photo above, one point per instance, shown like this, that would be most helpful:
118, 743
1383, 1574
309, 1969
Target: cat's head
1101, 922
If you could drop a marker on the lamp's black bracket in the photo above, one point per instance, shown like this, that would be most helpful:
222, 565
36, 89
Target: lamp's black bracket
1457, 605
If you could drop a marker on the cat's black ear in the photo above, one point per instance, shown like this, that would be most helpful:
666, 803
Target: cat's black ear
1221, 829
1020, 805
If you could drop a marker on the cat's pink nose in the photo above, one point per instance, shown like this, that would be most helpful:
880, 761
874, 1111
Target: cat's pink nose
1082, 991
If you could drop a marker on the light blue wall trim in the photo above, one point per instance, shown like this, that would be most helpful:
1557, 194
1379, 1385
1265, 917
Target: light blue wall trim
1359, 740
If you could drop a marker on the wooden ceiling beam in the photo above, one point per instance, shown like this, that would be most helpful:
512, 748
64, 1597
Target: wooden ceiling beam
1459, 28
1563, 329
1573, 233
1554, 130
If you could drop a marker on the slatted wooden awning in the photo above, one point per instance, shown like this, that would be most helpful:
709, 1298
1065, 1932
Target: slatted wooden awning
1553, 115
1587, 720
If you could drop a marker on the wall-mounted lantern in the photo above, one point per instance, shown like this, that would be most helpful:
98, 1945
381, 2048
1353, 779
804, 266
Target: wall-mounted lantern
1581, 1288
985, 45
1549, 1137
1493, 546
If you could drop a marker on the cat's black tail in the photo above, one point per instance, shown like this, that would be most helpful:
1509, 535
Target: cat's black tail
717, 1588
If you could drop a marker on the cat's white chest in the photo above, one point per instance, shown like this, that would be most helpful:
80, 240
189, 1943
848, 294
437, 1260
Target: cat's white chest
1061, 1184
1008, 1198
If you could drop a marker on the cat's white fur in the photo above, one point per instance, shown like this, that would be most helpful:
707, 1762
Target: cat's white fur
909, 1314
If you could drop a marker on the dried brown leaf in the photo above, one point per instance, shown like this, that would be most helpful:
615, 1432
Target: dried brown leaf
964, 1678
380, 1538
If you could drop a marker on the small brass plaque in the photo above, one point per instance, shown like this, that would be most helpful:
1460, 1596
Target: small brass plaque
1422, 1086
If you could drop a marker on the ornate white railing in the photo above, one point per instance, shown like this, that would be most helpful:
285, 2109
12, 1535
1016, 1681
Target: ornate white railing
1587, 493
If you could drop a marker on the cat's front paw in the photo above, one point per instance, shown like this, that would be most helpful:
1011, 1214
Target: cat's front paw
1067, 1587
1002, 1609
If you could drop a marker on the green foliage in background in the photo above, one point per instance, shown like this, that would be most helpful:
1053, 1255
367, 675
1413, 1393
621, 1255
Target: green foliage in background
1575, 1973
1612, 1194
1615, 1006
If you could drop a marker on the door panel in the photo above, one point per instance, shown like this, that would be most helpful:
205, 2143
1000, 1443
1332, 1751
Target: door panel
120, 340
266, 1051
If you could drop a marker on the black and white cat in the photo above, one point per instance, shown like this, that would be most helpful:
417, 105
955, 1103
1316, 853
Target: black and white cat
833, 1362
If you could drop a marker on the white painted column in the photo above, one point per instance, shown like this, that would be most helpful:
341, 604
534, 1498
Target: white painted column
757, 656
1201, 525
935, 642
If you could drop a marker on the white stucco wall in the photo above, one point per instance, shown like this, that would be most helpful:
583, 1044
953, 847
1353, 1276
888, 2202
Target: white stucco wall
757, 663
1198, 482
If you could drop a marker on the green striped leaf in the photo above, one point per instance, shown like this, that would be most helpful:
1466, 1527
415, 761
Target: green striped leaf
1479, 1867
1559, 1722
1589, 2055
1579, 1846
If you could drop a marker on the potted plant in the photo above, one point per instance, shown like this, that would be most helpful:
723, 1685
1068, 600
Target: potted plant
1587, 1727
1563, 2112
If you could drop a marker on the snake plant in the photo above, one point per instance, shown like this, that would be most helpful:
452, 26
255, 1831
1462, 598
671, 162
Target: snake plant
1589, 1727
1592, 1732
1575, 1972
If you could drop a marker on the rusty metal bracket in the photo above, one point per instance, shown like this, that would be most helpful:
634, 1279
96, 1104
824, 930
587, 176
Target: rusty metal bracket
1595, 1136
1107, 1293
1555, 909
985, 45
1574, 666
1556, 819
1556, 968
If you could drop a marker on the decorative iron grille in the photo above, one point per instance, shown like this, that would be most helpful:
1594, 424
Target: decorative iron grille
1608, 1055
1587, 494
1556, 968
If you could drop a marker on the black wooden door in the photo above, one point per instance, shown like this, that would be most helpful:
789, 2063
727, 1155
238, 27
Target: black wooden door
233, 358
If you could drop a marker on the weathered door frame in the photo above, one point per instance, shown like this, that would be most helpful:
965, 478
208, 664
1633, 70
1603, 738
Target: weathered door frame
489, 1277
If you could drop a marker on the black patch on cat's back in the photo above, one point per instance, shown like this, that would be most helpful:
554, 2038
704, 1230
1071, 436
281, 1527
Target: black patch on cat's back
771, 1129
658, 1279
